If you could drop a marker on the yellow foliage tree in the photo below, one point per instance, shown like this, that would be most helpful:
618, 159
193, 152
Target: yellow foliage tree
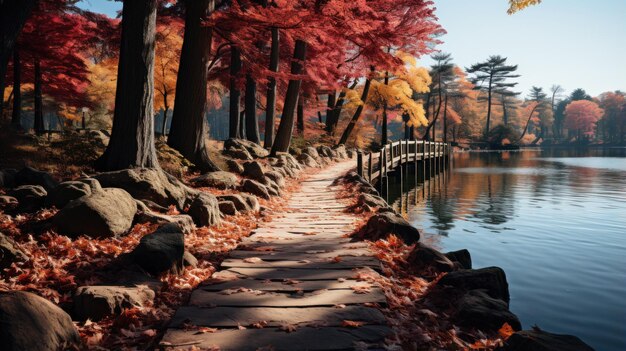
169, 41
517, 5
101, 92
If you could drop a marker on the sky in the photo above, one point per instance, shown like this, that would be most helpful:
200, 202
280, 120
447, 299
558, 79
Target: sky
573, 43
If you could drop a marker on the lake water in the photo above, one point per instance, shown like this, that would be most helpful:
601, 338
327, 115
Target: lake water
554, 220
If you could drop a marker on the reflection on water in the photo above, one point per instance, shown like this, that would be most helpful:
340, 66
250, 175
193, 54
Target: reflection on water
554, 220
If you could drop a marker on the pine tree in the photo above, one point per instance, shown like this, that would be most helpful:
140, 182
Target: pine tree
490, 77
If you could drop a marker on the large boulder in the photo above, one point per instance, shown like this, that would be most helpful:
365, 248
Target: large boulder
311, 151
255, 188
367, 202
148, 183
106, 213
219, 180
381, 225
491, 279
255, 150
252, 201
93, 183
161, 251
423, 257
238, 201
277, 177
227, 208
253, 170
234, 166
308, 160
30, 322
461, 257
97, 302
66, 192
99, 138
31, 176
146, 215
478, 310
10, 252
539, 340
341, 152
204, 209
29, 197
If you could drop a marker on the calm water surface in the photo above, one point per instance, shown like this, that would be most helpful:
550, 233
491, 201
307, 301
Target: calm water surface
555, 221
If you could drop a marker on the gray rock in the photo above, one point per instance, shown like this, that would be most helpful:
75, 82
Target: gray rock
66, 192
161, 251
97, 302
109, 212
462, 257
237, 200
539, 340
371, 201
7, 202
308, 160
29, 197
341, 152
381, 225
204, 210
277, 177
150, 184
311, 151
491, 279
234, 166
145, 215
255, 188
423, 257
31, 176
253, 170
252, 201
478, 310
93, 184
255, 150
238, 153
219, 180
227, 208
10, 252
99, 138
30, 322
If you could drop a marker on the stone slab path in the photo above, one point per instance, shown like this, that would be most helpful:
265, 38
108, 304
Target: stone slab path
298, 277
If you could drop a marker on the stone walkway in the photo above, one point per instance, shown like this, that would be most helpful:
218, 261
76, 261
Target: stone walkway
296, 277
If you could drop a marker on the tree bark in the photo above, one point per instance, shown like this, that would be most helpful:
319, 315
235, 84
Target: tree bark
16, 117
300, 114
235, 93
252, 122
189, 126
384, 137
488, 109
333, 117
132, 136
38, 125
285, 128
270, 107
357, 113
13, 15
445, 119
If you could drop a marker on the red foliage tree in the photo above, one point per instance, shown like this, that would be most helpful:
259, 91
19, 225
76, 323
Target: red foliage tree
582, 116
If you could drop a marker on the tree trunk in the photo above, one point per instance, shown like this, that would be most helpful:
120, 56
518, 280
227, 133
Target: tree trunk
189, 126
333, 117
527, 122
132, 136
445, 119
300, 114
252, 123
357, 113
16, 117
235, 93
330, 104
39, 127
488, 110
384, 136
270, 111
166, 109
13, 15
285, 128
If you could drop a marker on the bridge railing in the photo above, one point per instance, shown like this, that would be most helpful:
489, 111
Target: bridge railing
374, 165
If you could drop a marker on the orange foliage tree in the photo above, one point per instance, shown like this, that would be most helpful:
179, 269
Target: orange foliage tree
581, 116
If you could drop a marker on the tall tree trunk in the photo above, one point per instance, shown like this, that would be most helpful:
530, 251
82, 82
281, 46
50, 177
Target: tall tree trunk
384, 136
39, 126
189, 126
488, 110
300, 114
445, 119
252, 123
357, 113
270, 111
235, 93
13, 15
16, 117
505, 115
330, 104
285, 128
132, 136
332, 119
527, 123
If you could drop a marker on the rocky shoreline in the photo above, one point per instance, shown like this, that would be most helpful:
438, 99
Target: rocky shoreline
476, 299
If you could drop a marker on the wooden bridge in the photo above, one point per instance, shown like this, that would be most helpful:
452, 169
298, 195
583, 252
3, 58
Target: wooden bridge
431, 156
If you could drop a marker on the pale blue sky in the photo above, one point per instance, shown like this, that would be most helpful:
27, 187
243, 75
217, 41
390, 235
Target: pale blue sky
574, 43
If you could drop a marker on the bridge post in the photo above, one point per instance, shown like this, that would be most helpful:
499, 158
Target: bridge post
369, 168
381, 166
359, 163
